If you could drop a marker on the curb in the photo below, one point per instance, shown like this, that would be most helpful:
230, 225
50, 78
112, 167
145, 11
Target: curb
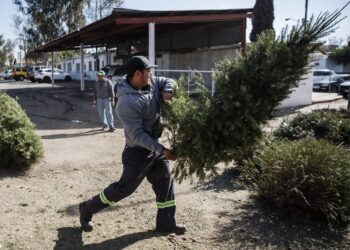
329, 100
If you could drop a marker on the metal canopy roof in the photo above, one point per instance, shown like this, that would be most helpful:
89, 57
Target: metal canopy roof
131, 26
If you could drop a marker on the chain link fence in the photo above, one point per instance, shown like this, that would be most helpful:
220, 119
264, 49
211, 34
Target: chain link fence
192, 77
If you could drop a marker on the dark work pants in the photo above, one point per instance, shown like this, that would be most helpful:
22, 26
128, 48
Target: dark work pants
139, 163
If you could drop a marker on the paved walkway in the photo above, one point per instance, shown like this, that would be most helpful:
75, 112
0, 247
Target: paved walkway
322, 97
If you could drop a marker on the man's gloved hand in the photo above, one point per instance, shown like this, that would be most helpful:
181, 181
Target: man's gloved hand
167, 97
168, 155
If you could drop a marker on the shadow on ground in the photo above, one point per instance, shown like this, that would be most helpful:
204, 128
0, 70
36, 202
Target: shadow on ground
257, 226
6, 173
70, 238
74, 135
228, 180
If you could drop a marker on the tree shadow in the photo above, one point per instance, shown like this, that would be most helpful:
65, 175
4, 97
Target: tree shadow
10, 173
73, 135
71, 238
257, 226
228, 180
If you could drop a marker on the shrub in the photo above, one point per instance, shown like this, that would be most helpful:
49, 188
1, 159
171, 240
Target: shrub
307, 177
20, 146
331, 125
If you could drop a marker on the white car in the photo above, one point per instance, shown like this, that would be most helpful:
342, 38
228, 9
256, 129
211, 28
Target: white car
325, 78
344, 88
44, 75
7, 74
115, 73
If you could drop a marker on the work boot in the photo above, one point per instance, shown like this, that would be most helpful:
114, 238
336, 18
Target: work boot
111, 129
177, 229
85, 218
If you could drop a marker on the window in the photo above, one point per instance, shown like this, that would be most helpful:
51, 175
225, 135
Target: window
84, 66
95, 65
69, 67
59, 66
64, 67
77, 67
90, 66
103, 63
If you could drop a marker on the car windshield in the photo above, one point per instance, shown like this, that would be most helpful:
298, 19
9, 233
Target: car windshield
322, 73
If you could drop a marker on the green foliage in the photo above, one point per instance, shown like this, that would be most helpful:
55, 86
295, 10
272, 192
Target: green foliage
331, 125
263, 18
307, 177
227, 126
341, 55
183, 117
6, 51
20, 146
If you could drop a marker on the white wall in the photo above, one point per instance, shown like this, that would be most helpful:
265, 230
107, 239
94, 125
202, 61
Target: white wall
301, 95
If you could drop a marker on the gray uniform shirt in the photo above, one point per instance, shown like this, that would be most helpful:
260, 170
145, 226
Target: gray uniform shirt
103, 89
139, 112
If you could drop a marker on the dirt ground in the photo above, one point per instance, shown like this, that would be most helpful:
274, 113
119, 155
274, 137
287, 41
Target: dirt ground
39, 208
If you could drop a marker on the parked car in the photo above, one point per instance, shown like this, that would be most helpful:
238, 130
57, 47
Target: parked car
44, 75
344, 87
114, 73
323, 79
31, 72
7, 74
19, 73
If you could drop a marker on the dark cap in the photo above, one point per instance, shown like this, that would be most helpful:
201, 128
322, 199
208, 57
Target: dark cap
137, 63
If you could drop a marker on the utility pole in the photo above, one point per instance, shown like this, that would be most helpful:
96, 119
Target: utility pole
20, 51
306, 7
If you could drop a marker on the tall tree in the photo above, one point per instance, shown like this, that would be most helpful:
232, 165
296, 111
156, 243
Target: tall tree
97, 9
50, 19
263, 18
6, 51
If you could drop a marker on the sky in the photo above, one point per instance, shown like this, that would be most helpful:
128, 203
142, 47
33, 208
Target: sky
283, 9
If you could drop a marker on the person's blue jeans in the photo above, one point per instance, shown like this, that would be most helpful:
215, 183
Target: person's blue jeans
104, 109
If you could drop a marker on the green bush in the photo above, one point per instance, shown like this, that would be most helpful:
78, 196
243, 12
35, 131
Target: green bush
331, 125
307, 177
20, 146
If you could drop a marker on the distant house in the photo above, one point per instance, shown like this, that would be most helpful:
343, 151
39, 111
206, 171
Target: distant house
72, 65
323, 61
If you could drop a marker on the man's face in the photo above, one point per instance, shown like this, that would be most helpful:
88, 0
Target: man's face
100, 78
145, 77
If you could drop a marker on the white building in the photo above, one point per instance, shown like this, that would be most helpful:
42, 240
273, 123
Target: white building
72, 65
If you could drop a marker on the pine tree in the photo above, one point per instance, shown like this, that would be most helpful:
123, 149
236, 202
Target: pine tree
208, 130
263, 18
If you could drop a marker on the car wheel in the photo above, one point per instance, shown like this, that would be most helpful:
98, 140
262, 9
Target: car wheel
32, 79
21, 78
68, 79
47, 79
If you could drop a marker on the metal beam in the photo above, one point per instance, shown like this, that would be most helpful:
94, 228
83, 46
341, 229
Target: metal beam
82, 82
52, 70
180, 19
151, 44
243, 34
